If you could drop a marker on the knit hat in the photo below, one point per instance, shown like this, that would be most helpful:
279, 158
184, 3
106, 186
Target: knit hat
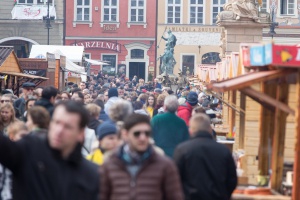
192, 98
105, 129
112, 92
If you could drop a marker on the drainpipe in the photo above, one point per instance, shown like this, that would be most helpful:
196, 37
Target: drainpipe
155, 48
64, 24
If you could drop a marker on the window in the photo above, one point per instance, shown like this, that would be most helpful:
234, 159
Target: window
196, 11
137, 11
211, 58
264, 6
34, 2
25, 1
111, 60
174, 12
83, 10
188, 64
137, 54
287, 7
110, 11
87, 55
216, 9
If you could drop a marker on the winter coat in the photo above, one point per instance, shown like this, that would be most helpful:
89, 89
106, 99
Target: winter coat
93, 124
46, 104
41, 173
185, 112
206, 168
109, 103
168, 131
20, 107
157, 179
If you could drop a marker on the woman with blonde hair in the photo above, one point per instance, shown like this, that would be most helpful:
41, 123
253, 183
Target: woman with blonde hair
7, 114
150, 105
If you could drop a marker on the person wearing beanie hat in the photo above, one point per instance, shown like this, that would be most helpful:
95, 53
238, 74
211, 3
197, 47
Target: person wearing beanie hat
113, 97
185, 110
112, 92
108, 140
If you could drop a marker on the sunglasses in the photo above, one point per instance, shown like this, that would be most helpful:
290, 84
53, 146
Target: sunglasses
138, 133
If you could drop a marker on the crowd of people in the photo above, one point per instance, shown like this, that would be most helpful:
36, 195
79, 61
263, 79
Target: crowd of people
112, 138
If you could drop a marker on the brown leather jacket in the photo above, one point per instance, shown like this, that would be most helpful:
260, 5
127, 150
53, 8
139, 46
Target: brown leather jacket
157, 179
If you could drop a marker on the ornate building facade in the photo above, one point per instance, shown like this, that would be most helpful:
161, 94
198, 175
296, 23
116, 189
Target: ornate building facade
22, 24
121, 32
193, 22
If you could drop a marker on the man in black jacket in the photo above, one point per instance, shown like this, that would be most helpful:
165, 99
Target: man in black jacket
206, 167
52, 168
48, 98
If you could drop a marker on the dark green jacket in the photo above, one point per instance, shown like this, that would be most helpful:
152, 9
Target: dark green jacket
168, 131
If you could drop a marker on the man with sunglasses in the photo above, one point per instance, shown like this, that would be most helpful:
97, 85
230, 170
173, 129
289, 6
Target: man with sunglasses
135, 170
20, 104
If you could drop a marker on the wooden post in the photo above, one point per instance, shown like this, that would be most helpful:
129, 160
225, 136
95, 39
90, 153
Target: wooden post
279, 137
231, 111
242, 120
296, 181
266, 130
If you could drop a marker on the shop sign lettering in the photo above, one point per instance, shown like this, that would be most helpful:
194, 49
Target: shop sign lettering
196, 29
113, 46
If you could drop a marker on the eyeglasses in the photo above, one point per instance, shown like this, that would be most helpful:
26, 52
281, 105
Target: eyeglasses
6, 101
138, 133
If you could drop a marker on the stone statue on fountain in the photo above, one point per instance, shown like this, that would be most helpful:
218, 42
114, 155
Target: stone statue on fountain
167, 59
241, 10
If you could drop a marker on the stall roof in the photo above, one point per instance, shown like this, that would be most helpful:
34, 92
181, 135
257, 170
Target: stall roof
24, 75
73, 53
5, 51
247, 80
70, 66
95, 62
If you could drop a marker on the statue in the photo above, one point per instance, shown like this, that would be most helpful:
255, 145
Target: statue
242, 9
245, 8
167, 59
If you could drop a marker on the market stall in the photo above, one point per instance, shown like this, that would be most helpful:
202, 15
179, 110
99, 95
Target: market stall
12, 76
273, 77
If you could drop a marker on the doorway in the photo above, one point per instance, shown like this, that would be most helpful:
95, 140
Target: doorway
138, 69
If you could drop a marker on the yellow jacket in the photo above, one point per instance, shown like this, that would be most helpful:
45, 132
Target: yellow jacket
96, 157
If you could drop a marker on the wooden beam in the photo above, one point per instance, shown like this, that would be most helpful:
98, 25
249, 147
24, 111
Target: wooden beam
265, 99
249, 79
296, 180
232, 100
279, 137
266, 130
238, 110
242, 121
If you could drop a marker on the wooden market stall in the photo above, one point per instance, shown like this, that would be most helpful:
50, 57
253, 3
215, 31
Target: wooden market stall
274, 83
12, 76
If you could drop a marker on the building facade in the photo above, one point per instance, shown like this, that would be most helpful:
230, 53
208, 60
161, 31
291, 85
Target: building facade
287, 14
193, 22
120, 32
22, 24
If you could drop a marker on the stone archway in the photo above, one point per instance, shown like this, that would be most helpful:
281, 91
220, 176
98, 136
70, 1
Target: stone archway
18, 38
22, 45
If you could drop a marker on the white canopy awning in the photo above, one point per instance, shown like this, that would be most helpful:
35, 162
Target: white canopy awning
70, 66
95, 62
73, 53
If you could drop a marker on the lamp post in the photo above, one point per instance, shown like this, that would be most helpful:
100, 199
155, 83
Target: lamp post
47, 20
273, 24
